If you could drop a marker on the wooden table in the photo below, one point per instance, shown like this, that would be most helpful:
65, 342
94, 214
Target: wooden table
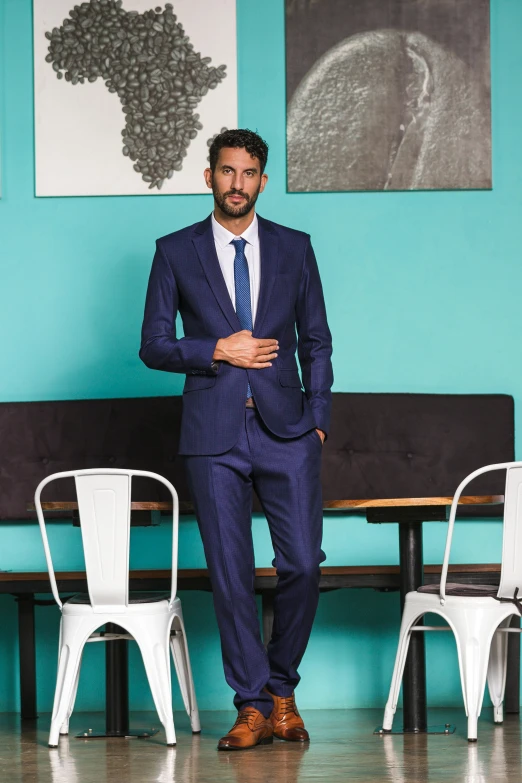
408, 513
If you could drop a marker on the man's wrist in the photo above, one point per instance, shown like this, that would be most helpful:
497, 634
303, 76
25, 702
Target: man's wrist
218, 354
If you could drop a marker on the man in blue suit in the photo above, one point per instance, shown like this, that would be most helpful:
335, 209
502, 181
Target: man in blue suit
249, 294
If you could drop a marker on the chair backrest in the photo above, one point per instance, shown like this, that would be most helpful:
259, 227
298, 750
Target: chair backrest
511, 574
104, 504
511, 566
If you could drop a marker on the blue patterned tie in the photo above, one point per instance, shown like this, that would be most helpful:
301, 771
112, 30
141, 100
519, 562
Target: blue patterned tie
242, 285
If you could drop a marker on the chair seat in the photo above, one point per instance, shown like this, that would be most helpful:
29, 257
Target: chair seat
469, 591
135, 597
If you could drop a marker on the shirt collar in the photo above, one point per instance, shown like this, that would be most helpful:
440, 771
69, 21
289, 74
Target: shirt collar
223, 237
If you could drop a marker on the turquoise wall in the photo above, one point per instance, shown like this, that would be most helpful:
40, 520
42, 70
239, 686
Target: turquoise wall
423, 296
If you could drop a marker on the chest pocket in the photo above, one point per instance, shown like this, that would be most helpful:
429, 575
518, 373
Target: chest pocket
196, 382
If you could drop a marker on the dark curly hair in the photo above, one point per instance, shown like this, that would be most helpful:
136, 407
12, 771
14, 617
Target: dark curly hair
239, 139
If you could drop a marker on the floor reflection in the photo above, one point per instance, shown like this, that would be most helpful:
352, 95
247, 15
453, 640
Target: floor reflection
343, 748
279, 762
62, 763
436, 758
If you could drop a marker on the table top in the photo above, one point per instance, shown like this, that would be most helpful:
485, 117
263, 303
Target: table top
464, 500
328, 505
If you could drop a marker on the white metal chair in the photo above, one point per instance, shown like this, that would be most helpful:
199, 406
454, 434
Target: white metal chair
478, 615
154, 620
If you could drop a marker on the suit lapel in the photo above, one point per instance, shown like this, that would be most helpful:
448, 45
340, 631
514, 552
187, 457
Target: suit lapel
269, 252
206, 250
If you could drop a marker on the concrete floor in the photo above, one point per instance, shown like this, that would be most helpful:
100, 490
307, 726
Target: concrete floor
343, 748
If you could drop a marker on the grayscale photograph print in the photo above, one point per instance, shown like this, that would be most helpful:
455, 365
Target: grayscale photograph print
388, 95
128, 96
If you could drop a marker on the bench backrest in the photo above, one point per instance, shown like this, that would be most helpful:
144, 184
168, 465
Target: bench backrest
41, 438
416, 445
379, 445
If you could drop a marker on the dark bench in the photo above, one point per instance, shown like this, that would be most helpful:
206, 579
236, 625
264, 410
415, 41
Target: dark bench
379, 446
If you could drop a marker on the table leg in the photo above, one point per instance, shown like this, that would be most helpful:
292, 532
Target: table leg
116, 685
512, 698
26, 644
116, 692
414, 680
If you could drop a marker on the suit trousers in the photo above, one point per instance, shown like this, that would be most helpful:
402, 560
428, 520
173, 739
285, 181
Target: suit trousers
285, 474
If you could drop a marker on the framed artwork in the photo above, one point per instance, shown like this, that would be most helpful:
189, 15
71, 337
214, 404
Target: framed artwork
388, 94
128, 97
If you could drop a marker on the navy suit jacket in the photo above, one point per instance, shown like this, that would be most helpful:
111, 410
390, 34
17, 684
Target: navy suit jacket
186, 277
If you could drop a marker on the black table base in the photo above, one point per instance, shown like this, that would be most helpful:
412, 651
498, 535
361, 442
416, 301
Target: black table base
443, 728
131, 734
116, 692
116, 684
512, 697
414, 679
410, 519
27, 653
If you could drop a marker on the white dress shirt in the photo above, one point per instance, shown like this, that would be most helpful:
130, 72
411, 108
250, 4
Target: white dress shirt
227, 252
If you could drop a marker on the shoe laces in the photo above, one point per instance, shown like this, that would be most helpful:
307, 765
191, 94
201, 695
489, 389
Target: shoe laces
288, 705
244, 717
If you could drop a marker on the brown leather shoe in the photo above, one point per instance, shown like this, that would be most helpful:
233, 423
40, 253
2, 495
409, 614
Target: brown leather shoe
286, 721
250, 729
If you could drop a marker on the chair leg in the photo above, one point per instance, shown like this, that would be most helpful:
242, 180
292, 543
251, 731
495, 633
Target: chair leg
152, 637
497, 669
409, 616
180, 656
472, 631
65, 726
72, 643
64, 730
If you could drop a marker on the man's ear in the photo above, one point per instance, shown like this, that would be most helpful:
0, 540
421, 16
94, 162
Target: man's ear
264, 180
208, 178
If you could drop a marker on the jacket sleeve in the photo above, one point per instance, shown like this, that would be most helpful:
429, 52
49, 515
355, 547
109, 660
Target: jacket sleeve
160, 348
314, 346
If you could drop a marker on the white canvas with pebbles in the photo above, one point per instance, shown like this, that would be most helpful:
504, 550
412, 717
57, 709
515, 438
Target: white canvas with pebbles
128, 94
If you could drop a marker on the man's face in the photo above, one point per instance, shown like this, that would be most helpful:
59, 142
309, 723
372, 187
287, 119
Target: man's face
236, 182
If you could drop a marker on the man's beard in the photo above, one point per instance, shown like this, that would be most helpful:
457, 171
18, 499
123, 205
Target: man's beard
235, 211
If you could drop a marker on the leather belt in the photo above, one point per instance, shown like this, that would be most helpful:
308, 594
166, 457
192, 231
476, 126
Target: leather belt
250, 402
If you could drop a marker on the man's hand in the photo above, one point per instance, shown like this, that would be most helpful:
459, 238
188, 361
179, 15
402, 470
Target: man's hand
243, 350
321, 434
